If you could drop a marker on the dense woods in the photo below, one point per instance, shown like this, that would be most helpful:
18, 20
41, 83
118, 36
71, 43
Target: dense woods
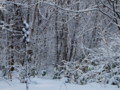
76, 39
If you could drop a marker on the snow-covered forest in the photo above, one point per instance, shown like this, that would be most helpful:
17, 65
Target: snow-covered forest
78, 40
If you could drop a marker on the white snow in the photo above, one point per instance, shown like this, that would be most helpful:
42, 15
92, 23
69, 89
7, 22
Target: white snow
28, 40
26, 24
46, 84
24, 30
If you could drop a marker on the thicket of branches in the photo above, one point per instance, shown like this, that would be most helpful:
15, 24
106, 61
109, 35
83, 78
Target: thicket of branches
37, 34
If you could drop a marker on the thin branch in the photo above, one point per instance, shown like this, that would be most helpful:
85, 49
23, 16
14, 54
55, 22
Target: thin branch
55, 5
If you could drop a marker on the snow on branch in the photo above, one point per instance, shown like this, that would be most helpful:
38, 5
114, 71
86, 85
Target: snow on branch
55, 5
79, 11
118, 25
69, 10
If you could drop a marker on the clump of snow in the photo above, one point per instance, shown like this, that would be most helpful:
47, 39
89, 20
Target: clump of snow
26, 24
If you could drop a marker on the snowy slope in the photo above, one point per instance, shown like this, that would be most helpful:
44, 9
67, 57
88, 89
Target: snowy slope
45, 84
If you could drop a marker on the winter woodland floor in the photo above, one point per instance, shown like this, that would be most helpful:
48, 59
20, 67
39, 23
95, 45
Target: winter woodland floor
46, 84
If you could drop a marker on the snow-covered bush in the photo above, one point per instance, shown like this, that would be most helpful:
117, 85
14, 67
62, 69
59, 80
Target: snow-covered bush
22, 73
102, 65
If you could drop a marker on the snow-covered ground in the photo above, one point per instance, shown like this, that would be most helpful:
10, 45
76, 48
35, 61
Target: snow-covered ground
46, 84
